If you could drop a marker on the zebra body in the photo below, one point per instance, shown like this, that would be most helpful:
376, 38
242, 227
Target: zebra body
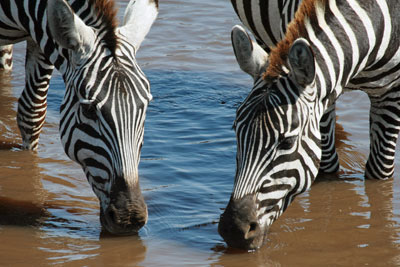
106, 96
329, 46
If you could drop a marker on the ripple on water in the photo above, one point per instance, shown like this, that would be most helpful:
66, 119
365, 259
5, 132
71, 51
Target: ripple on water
187, 170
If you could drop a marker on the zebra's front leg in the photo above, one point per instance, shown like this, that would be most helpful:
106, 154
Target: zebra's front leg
329, 160
32, 104
6, 57
384, 124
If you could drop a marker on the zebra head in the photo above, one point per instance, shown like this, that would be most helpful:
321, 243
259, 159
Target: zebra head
278, 143
104, 107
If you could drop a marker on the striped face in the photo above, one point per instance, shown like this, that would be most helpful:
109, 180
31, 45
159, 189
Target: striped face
102, 128
278, 150
104, 108
277, 158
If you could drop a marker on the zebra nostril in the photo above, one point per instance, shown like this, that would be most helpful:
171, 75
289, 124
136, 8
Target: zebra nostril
112, 216
139, 222
253, 231
253, 227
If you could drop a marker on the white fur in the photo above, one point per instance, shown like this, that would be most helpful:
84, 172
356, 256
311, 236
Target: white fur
77, 37
138, 18
251, 57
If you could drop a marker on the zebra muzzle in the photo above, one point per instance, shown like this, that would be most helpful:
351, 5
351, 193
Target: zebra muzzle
126, 213
239, 225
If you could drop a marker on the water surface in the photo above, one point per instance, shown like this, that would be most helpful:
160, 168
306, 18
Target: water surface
50, 216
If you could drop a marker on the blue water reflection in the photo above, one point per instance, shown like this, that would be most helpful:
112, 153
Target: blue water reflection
188, 157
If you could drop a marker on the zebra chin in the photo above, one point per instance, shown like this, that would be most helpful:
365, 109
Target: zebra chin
239, 225
126, 212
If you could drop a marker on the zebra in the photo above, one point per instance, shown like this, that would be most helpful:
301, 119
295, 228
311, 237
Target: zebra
106, 93
330, 45
268, 20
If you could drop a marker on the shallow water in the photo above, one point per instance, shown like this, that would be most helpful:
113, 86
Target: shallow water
49, 214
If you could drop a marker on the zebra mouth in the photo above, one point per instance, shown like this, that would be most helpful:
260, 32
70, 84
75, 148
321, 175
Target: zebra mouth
239, 225
123, 222
126, 213
250, 239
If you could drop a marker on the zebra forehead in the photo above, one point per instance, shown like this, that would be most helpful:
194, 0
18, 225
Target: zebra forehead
270, 116
279, 94
271, 109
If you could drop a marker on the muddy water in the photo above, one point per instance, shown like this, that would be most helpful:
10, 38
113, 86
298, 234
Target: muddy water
49, 215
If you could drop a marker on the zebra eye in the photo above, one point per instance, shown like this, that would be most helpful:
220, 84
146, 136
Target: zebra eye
287, 143
89, 111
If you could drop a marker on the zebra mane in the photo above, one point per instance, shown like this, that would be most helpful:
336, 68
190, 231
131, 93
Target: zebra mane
106, 14
296, 29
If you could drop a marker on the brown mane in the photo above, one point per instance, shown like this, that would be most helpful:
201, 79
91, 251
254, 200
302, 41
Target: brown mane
295, 29
107, 13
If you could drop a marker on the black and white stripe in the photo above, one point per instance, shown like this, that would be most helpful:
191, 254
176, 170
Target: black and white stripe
266, 19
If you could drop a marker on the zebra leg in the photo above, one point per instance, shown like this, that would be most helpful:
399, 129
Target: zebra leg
384, 124
6, 57
329, 160
32, 104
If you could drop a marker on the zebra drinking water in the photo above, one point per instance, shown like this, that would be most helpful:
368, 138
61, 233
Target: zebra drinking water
330, 45
106, 96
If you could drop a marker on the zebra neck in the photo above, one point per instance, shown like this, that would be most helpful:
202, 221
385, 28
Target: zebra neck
351, 50
345, 38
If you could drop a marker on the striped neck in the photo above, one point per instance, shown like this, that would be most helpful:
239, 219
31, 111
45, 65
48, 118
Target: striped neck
338, 58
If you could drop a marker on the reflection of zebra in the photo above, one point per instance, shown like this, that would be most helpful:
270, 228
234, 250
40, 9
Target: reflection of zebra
329, 45
268, 20
103, 112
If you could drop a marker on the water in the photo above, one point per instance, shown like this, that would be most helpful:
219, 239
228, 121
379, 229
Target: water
50, 216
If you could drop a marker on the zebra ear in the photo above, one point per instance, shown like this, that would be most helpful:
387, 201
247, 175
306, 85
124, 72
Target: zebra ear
138, 18
67, 29
302, 64
251, 57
